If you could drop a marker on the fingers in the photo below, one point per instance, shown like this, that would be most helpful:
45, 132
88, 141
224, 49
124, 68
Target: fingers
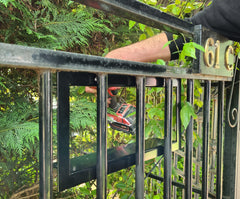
109, 101
93, 90
90, 90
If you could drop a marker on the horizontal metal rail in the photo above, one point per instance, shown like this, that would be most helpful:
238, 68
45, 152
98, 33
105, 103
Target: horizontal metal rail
37, 58
180, 185
142, 13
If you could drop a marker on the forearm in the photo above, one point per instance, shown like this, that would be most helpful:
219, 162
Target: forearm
147, 50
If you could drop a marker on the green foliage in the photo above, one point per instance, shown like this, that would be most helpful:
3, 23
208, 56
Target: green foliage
83, 114
182, 9
18, 130
5, 2
18, 149
74, 28
49, 25
189, 50
16, 136
187, 112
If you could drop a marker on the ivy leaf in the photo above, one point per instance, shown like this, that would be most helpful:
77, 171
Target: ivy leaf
160, 62
142, 26
176, 10
177, 2
186, 113
189, 50
198, 102
131, 24
152, 2
167, 44
142, 37
197, 46
149, 31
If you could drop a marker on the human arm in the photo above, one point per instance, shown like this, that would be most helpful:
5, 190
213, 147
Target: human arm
148, 50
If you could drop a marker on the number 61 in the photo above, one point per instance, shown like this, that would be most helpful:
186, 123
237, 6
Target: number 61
211, 57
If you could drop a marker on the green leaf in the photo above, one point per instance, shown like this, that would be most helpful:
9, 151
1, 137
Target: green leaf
149, 31
189, 50
152, 2
131, 24
176, 10
81, 90
29, 31
148, 130
5, 2
142, 27
167, 44
156, 112
177, 2
160, 62
121, 185
142, 37
186, 113
198, 102
125, 196
84, 191
197, 46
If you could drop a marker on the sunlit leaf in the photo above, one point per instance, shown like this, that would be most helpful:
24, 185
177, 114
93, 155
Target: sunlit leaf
149, 31
186, 113
142, 27
131, 24
142, 37
167, 44
160, 62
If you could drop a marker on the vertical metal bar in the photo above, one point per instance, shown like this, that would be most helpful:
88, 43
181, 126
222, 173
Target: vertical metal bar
189, 145
168, 139
63, 121
231, 173
140, 143
178, 120
220, 139
102, 137
206, 129
45, 136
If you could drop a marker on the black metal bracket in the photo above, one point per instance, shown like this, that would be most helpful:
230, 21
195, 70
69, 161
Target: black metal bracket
72, 172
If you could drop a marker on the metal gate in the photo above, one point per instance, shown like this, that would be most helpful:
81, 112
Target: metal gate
214, 68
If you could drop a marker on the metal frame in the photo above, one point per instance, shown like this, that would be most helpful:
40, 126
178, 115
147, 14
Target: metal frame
71, 172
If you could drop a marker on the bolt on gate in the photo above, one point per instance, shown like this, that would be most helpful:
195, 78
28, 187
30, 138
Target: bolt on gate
213, 68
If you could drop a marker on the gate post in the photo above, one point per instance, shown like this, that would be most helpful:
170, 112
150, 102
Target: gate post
45, 136
231, 170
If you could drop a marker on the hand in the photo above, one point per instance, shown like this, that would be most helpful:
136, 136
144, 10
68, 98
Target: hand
93, 90
89, 89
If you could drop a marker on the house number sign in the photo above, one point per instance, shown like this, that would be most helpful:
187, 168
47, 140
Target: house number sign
212, 56
218, 57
